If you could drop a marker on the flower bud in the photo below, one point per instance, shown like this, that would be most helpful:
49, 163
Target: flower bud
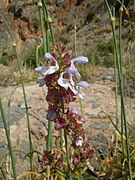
112, 19
49, 19
121, 9
39, 4
14, 44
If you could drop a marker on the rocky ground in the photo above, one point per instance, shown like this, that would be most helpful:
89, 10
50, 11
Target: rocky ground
98, 107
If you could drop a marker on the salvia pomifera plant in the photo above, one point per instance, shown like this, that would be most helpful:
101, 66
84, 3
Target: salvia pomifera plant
62, 79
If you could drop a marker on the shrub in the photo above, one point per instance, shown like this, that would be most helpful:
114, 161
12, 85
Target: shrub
89, 17
4, 58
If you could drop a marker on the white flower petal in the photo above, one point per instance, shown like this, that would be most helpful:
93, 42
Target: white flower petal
79, 141
49, 56
63, 82
67, 83
50, 69
38, 69
81, 95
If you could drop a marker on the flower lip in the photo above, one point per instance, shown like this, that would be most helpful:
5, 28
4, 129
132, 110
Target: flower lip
41, 81
80, 59
38, 69
73, 70
82, 84
67, 83
49, 69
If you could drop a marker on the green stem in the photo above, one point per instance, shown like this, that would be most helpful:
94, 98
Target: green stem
41, 23
116, 94
8, 140
64, 144
22, 83
51, 31
75, 39
120, 74
37, 59
116, 83
49, 136
120, 60
67, 153
49, 21
122, 100
46, 30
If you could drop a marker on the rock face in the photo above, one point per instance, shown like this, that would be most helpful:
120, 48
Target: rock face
90, 17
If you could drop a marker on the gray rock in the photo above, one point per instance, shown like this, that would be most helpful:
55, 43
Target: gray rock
15, 114
29, 44
101, 145
129, 87
101, 125
99, 138
4, 39
24, 146
108, 74
95, 103
3, 149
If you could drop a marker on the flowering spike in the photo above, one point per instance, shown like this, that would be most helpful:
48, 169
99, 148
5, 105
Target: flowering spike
62, 79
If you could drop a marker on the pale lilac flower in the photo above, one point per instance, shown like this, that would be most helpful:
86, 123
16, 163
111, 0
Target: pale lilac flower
79, 141
80, 59
51, 115
83, 119
73, 70
76, 159
49, 68
82, 84
41, 81
67, 83
38, 69
49, 56
74, 110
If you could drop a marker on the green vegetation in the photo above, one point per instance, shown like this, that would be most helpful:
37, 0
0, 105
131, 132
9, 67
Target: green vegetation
90, 16
4, 58
36, 24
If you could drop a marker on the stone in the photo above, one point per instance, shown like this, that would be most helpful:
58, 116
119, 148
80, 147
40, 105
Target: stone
108, 74
15, 114
101, 125
24, 146
3, 149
